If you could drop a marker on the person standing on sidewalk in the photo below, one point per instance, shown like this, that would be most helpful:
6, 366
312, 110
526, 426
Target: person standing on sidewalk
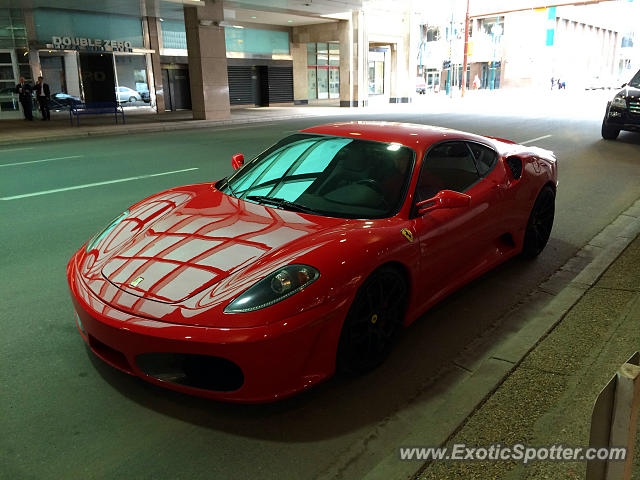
24, 91
43, 94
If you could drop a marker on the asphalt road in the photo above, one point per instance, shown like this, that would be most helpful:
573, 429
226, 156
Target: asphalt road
65, 414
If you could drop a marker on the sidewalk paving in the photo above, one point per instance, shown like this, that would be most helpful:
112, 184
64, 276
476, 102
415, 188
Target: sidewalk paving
548, 398
485, 102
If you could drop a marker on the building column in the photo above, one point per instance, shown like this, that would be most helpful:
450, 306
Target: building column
71, 76
32, 40
402, 73
156, 70
207, 61
300, 80
354, 47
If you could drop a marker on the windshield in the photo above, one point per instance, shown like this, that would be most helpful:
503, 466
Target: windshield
635, 81
325, 175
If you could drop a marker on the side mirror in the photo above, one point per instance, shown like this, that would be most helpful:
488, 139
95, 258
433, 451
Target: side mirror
444, 199
237, 160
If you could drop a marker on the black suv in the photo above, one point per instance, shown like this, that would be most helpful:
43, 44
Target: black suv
623, 112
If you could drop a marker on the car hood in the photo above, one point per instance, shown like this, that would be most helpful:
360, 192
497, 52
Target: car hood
629, 92
178, 244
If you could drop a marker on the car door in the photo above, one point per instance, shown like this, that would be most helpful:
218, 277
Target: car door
455, 243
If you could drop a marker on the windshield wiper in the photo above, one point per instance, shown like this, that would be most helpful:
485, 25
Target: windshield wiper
280, 202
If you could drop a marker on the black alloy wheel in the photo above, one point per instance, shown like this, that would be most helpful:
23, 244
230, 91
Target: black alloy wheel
540, 223
609, 132
372, 322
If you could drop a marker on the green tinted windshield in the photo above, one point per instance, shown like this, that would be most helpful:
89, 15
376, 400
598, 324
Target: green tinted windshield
325, 175
635, 81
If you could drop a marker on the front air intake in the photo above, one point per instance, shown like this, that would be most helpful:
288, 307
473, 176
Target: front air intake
191, 370
515, 166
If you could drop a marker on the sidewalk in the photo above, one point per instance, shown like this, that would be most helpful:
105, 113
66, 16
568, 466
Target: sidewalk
548, 398
16, 131
497, 102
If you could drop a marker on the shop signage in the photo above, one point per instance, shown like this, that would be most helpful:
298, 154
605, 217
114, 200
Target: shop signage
90, 44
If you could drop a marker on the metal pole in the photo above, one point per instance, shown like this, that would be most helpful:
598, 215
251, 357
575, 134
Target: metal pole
466, 49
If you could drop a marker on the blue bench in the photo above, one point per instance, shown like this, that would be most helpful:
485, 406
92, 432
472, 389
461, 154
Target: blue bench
95, 108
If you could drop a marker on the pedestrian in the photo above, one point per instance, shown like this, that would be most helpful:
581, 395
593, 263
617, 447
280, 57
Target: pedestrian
553, 82
43, 94
476, 82
24, 91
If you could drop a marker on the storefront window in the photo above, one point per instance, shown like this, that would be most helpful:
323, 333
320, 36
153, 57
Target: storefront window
376, 72
334, 83
334, 54
323, 82
174, 35
323, 71
312, 83
251, 40
60, 23
12, 30
323, 54
131, 80
13, 61
8, 99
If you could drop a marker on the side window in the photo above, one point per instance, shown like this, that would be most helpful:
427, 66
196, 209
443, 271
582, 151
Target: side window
448, 166
485, 158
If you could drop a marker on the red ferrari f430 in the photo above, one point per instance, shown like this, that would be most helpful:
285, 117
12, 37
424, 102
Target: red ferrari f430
307, 259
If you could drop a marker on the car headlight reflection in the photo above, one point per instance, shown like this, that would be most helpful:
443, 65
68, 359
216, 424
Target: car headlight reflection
619, 102
274, 288
104, 232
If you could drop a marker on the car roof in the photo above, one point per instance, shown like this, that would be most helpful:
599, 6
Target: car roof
412, 135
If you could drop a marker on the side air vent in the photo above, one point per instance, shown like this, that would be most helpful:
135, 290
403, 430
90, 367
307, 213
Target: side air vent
515, 166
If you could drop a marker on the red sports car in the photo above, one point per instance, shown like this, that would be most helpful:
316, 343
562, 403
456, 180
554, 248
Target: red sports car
308, 258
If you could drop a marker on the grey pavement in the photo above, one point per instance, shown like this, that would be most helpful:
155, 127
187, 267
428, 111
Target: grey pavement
548, 397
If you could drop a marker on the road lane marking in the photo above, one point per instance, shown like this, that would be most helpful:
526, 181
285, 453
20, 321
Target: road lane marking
535, 139
16, 149
97, 184
39, 161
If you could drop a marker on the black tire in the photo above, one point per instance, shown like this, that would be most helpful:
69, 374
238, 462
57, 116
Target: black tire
372, 322
132, 99
540, 223
609, 132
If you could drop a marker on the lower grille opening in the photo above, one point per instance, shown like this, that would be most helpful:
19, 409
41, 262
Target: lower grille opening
110, 355
198, 371
506, 240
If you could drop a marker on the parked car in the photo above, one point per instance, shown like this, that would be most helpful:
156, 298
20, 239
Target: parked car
146, 97
126, 94
421, 86
62, 101
623, 111
309, 258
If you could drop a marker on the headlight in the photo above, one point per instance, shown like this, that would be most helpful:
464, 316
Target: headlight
275, 287
103, 233
619, 102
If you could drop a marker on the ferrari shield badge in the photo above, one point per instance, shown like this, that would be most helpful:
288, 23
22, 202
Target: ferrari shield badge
136, 282
407, 234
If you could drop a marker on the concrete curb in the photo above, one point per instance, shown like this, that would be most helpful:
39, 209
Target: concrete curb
470, 380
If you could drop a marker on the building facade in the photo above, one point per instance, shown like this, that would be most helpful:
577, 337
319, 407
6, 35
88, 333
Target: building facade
208, 55
526, 47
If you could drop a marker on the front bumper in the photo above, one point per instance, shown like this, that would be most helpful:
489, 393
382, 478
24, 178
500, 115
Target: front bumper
622, 119
267, 363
